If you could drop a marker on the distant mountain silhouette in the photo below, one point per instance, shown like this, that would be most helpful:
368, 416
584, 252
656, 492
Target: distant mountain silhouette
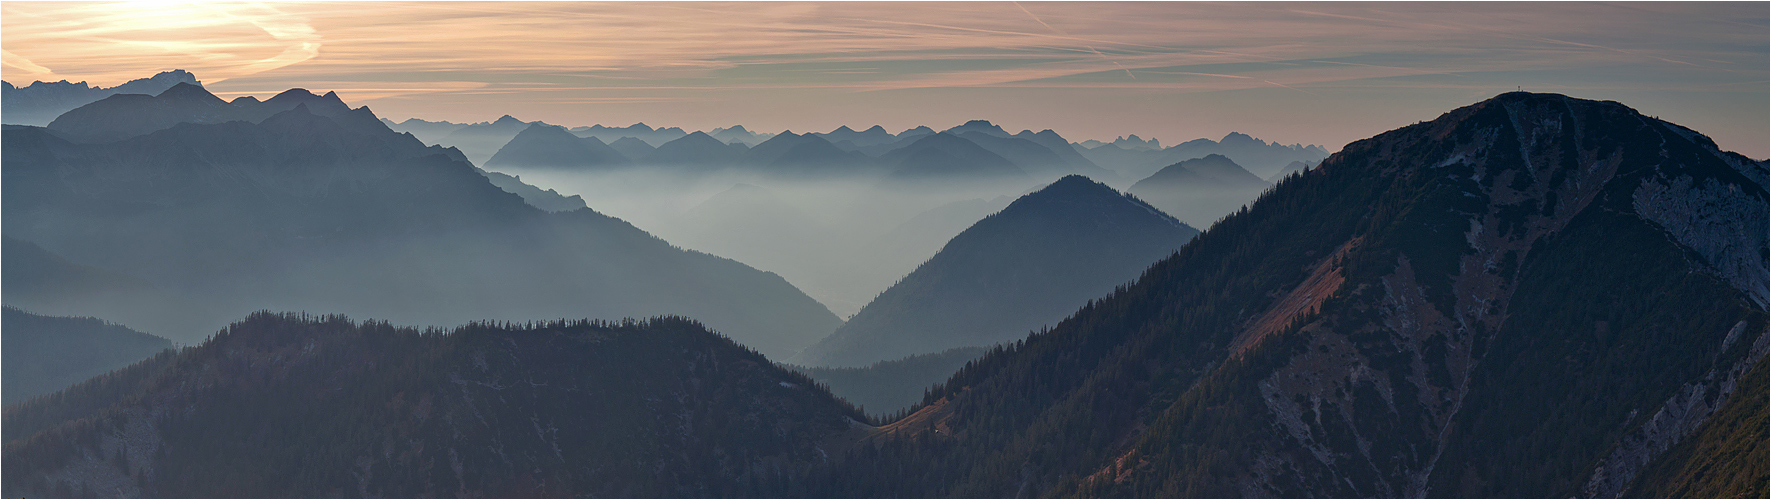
1013, 272
630, 147
1034, 158
480, 141
40, 102
874, 135
44, 354
1067, 152
427, 131
696, 151
979, 126
1201, 190
310, 212
737, 133
645, 133
946, 156
1261, 158
546, 146
802, 156
123, 116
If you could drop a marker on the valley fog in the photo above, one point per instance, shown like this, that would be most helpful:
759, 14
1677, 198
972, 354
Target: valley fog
841, 241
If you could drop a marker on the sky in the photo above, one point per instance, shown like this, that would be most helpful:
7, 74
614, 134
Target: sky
1310, 73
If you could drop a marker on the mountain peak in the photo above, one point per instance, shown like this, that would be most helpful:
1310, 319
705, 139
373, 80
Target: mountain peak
294, 93
983, 126
188, 92
1238, 137
507, 120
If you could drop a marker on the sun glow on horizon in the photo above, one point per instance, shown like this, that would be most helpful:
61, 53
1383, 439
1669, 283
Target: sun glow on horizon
1311, 73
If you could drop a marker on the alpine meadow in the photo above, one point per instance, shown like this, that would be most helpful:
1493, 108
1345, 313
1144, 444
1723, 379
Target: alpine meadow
885, 249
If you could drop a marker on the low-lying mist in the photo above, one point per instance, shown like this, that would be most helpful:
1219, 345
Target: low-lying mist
840, 240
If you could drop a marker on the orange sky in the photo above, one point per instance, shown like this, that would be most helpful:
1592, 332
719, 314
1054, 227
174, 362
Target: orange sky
1323, 73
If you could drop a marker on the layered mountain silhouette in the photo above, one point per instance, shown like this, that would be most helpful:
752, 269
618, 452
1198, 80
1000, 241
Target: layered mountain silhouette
950, 158
545, 199
1013, 272
546, 146
890, 387
427, 131
873, 136
45, 354
123, 116
631, 147
1533, 296
1139, 159
1291, 168
1201, 190
739, 134
40, 102
479, 141
804, 156
286, 405
645, 133
338, 213
696, 151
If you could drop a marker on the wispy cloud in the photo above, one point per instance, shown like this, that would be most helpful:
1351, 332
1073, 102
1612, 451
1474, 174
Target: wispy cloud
599, 58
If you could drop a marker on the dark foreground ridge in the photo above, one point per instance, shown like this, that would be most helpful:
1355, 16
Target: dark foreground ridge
282, 405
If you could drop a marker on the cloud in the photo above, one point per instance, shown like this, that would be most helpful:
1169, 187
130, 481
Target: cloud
592, 57
218, 41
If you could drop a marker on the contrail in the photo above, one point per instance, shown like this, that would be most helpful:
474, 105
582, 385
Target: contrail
1067, 35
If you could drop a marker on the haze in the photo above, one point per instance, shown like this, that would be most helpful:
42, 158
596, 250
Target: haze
1316, 73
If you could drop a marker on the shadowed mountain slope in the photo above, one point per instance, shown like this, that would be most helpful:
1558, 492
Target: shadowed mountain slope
1201, 190
1018, 270
551, 146
40, 102
1532, 296
479, 141
296, 406
44, 354
947, 157
309, 212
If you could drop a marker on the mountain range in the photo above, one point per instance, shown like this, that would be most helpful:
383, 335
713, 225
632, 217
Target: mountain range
40, 102
1138, 160
1044, 154
551, 146
1531, 296
322, 207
